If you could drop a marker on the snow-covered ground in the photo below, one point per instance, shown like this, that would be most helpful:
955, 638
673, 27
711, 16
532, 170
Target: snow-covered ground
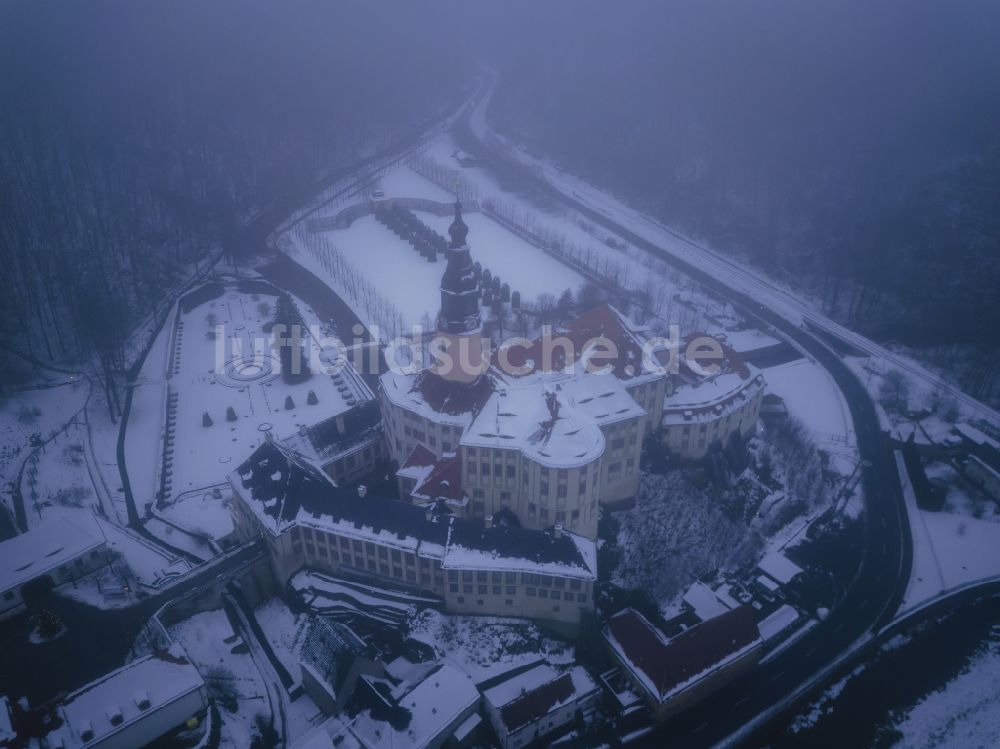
370, 248
811, 396
204, 637
485, 646
35, 414
949, 549
963, 713
204, 455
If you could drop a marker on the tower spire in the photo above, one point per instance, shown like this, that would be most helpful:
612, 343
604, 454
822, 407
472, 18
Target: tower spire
458, 231
460, 283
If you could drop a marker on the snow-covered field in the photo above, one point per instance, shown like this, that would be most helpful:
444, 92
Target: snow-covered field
411, 287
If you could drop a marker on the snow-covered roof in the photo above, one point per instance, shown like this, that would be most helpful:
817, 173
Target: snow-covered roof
543, 357
284, 492
473, 546
432, 397
744, 341
779, 567
442, 481
433, 705
537, 702
114, 701
539, 422
338, 435
599, 397
45, 547
665, 666
418, 464
777, 622
976, 436
712, 397
704, 602
510, 689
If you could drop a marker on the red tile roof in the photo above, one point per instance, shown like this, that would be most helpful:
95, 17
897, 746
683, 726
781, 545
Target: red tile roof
444, 481
420, 457
668, 664
600, 321
537, 703
453, 398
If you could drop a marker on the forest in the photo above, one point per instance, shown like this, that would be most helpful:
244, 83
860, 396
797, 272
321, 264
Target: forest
849, 149
138, 138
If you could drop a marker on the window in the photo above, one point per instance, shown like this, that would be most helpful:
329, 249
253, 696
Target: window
505, 498
530, 592
446, 446
396, 556
556, 595
471, 452
542, 593
510, 602
497, 590
545, 488
511, 590
532, 509
467, 588
481, 576
617, 443
511, 471
482, 589
433, 440
461, 599
543, 515
496, 577
478, 507
383, 553
479, 602
561, 491
581, 597
484, 468
467, 576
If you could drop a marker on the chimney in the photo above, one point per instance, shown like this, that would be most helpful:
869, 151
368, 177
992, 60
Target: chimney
488, 521
557, 531
362, 490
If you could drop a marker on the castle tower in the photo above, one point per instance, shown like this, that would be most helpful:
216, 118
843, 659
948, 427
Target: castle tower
459, 326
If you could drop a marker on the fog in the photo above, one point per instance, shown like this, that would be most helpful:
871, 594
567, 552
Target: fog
812, 186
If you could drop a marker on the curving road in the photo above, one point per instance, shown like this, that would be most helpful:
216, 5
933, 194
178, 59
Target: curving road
731, 715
